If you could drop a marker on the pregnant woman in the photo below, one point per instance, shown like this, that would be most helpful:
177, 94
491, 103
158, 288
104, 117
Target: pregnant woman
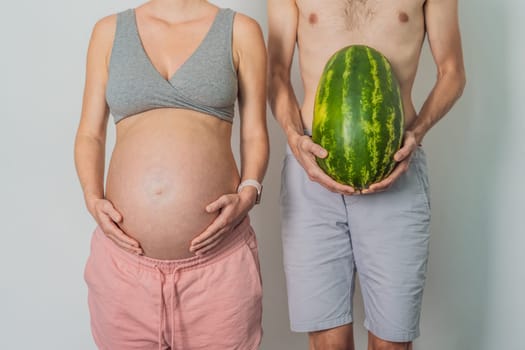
173, 261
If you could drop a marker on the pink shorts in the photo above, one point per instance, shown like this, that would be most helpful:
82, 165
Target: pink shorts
211, 302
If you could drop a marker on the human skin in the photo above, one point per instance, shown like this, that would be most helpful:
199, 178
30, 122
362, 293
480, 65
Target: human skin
172, 179
396, 29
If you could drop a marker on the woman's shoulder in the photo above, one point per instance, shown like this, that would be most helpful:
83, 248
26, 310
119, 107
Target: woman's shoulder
248, 39
102, 35
243, 23
105, 27
246, 31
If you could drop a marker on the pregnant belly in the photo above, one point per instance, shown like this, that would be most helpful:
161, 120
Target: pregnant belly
161, 178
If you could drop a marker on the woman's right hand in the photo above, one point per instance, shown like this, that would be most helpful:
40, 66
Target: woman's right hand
108, 218
305, 151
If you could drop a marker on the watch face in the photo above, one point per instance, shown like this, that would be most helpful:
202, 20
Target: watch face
259, 194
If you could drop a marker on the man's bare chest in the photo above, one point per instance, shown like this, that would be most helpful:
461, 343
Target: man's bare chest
356, 15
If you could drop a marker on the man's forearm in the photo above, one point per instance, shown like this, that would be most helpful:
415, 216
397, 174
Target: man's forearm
445, 93
285, 108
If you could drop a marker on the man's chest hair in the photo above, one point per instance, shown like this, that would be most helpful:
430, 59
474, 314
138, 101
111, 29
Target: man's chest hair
358, 12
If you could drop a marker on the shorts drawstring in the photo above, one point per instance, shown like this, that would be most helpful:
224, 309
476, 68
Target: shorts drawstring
175, 274
162, 279
161, 304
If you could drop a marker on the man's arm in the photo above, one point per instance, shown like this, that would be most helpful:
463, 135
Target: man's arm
441, 18
282, 22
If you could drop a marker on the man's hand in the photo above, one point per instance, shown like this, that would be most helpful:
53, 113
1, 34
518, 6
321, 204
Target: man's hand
107, 217
402, 157
232, 209
305, 151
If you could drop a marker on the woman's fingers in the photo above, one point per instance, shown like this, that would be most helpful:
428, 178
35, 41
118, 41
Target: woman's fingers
215, 227
222, 202
127, 247
118, 236
210, 246
211, 242
107, 217
111, 212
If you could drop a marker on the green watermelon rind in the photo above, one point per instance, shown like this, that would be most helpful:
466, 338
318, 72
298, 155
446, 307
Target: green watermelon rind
358, 117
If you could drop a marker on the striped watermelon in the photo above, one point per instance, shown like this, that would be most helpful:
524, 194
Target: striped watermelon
358, 117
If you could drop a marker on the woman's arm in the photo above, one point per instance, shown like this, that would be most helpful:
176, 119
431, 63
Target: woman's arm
90, 140
250, 58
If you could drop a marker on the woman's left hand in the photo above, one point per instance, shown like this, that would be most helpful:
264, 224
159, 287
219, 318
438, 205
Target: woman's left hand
232, 210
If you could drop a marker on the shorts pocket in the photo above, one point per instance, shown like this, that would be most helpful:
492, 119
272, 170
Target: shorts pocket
88, 268
251, 244
420, 166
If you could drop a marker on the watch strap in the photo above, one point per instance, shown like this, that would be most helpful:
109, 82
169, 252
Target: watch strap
252, 183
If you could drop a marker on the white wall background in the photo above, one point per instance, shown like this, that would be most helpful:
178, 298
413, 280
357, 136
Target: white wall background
475, 292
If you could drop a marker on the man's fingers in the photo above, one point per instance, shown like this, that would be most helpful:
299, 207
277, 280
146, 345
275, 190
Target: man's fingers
408, 147
402, 153
317, 150
334, 186
388, 181
312, 148
316, 174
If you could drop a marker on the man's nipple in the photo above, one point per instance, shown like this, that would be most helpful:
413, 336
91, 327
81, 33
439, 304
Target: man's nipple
403, 17
313, 19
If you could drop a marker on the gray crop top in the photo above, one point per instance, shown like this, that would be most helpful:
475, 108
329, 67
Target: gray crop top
206, 82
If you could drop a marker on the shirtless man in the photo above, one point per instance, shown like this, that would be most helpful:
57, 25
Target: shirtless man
329, 233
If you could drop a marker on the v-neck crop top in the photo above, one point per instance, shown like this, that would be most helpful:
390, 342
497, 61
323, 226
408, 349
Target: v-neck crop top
206, 82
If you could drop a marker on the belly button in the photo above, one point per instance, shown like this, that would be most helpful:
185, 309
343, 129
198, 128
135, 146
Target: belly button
154, 190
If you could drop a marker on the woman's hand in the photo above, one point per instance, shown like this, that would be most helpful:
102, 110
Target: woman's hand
232, 210
107, 218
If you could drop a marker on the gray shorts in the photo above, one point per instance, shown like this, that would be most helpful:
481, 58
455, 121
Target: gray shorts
383, 237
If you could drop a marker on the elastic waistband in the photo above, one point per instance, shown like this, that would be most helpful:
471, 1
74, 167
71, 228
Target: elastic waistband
236, 238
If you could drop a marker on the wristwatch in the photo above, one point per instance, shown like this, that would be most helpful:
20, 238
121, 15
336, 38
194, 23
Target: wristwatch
253, 183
